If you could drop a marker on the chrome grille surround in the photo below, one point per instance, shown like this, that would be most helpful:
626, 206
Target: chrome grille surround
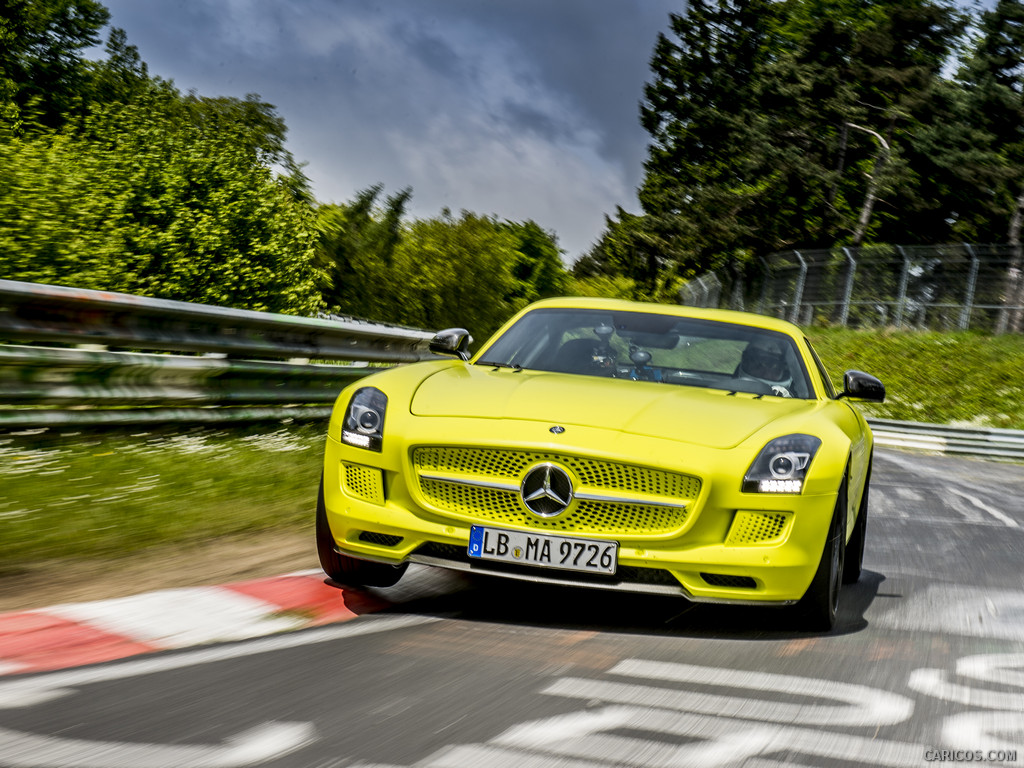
483, 485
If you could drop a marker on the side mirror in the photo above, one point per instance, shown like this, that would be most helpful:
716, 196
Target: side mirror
452, 341
858, 385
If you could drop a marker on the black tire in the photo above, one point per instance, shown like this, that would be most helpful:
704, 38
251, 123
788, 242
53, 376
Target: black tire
349, 570
820, 604
854, 563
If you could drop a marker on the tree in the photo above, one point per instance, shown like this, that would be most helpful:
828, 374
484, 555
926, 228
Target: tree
40, 54
538, 270
779, 125
356, 250
451, 272
164, 197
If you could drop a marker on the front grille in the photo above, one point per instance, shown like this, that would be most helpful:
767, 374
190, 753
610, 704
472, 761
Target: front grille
749, 528
504, 505
725, 580
593, 473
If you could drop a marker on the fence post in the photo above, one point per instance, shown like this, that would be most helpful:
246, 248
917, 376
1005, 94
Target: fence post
901, 300
763, 300
703, 301
972, 280
844, 312
798, 294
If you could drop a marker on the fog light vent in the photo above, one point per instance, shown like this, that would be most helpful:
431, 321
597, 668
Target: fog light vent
361, 482
381, 539
757, 528
725, 580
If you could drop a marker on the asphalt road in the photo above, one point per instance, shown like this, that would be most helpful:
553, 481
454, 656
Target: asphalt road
925, 667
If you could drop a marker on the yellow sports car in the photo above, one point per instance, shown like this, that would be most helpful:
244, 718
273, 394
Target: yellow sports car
609, 444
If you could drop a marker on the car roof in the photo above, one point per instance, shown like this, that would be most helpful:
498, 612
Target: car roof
718, 315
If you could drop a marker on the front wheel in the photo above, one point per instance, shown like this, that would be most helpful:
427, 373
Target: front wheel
820, 604
349, 570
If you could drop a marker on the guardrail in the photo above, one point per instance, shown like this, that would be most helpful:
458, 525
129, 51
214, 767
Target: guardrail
988, 443
250, 365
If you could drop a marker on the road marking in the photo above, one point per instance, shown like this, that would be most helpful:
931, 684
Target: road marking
908, 494
861, 705
959, 610
665, 737
712, 741
1002, 517
257, 745
999, 668
987, 730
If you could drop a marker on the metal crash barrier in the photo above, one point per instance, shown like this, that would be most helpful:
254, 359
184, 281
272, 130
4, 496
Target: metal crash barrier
109, 358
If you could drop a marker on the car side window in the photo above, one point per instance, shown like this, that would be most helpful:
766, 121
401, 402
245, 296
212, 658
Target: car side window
830, 390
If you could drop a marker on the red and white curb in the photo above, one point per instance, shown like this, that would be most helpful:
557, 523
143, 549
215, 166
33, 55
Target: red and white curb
74, 634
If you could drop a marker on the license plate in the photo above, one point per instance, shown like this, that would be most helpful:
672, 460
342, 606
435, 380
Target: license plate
543, 550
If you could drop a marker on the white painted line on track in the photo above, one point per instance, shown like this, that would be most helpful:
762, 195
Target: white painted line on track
908, 494
959, 610
257, 745
861, 705
1002, 517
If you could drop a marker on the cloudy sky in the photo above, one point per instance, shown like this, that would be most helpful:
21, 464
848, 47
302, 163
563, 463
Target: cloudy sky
526, 109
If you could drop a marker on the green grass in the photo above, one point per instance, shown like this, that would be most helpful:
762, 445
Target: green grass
966, 379
91, 495
103, 494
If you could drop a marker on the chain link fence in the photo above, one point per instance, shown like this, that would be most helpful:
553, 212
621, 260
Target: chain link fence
946, 287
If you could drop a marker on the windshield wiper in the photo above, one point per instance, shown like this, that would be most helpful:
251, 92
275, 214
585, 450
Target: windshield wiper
514, 366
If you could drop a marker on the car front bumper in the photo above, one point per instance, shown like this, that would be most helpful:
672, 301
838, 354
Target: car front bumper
727, 546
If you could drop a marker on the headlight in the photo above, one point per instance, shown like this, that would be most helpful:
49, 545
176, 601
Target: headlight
782, 465
364, 420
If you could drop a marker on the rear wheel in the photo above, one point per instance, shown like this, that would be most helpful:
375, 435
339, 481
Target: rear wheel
820, 604
349, 570
855, 548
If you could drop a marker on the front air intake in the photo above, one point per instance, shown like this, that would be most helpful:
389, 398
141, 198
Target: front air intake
725, 580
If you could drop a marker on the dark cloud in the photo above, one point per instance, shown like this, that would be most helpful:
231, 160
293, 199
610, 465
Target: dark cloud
520, 108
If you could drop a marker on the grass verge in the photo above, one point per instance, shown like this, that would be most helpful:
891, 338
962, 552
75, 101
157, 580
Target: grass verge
103, 494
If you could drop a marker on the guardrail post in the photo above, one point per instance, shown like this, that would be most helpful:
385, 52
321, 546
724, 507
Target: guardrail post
972, 281
798, 293
844, 312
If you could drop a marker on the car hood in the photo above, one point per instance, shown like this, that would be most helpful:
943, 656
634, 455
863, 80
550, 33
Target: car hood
704, 417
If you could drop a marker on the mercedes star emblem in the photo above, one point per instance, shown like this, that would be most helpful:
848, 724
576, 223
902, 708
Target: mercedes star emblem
547, 490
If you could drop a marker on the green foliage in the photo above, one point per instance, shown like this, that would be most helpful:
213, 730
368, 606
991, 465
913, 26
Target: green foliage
473, 271
809, 124
355, 252
40, 57
958, 378
164, 196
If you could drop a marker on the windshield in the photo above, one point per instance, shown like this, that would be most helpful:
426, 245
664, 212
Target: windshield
648, 347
